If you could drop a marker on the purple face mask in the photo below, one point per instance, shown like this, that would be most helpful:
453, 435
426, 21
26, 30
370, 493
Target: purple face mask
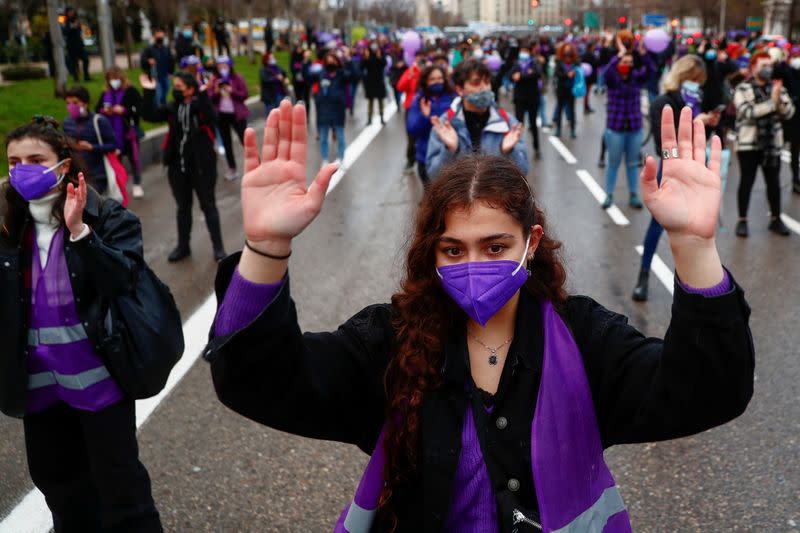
481, 288
34, 181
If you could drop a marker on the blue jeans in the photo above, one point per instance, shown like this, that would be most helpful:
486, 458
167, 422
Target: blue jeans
542, 111
568, 106
324, 131
162, 90
651, 238
617, 144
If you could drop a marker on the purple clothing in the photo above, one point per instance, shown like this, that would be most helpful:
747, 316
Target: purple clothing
243, 302
473, 507
624, 95
112, 97
238, 93
62, 366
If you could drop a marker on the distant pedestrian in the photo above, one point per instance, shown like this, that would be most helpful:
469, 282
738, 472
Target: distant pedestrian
373, 64
189, 156
121, 103
186, 44
228, 91
273, 82
159, 64
331, 84
221, 35
563, 80
408, 84
76, 49
527, 77
761, 104
82, 125
300, 62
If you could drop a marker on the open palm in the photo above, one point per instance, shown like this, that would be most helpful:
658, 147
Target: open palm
688, 200
276, 202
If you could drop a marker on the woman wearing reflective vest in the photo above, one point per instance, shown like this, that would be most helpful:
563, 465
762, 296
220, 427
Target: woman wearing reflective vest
65, 253
484, 393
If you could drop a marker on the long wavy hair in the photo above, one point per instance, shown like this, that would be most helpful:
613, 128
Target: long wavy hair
14, 208
425, 315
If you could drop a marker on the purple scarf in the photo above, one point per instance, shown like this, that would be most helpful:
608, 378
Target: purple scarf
574, 487
112, 97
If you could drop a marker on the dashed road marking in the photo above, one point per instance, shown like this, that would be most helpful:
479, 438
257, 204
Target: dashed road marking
599, 194
563, 150
791, 223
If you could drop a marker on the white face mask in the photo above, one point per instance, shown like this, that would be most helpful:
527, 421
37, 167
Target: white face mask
795, 62
224, 71
115, 84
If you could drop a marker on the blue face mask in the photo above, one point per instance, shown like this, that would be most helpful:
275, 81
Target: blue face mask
711, 55
481, 100
187, 34
436, 88
524, 56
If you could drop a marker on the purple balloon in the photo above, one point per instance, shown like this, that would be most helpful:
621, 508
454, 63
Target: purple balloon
411, 42
587, 69
493, 61
656, 40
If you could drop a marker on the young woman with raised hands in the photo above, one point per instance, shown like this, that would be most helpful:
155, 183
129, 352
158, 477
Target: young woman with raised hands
484, 392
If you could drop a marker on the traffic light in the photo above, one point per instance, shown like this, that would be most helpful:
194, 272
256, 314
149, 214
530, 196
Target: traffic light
623, 19
531, 22
674, 23
534, 4
568, 22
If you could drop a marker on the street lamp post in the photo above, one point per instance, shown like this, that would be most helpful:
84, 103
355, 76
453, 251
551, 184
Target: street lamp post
57, 38
106, 31
723, 5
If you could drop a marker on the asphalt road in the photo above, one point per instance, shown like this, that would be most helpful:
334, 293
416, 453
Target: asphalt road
214, 471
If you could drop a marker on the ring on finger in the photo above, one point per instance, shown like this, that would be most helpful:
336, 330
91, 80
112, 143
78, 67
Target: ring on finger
664, 154
675, 154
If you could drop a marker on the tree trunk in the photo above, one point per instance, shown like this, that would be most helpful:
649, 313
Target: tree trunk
106, 31
60, 78
251, 57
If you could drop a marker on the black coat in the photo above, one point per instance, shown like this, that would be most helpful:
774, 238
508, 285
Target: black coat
330, 385
200, 147
131, 101
102, 266
374, 77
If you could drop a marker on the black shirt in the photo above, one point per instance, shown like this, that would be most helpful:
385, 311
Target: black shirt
331, 385
475, 124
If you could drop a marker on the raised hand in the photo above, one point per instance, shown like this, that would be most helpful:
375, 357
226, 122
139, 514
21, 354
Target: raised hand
277, 205
425, 106
74, 205
146, 82
446, 133
687, 202
512, 138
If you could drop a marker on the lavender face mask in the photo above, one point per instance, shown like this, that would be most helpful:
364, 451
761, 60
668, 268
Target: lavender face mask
34, 181
482, 288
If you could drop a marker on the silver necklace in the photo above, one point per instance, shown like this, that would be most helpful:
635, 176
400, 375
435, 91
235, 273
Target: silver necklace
492, 351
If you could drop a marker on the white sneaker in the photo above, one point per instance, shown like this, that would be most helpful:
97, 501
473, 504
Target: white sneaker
221, 150
231, 174
338, 162
138, 192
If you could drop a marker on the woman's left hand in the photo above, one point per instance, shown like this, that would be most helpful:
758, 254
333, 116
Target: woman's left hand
688, 201
74, 205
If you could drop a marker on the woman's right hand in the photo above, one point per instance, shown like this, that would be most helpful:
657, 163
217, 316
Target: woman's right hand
146, 82
277, 205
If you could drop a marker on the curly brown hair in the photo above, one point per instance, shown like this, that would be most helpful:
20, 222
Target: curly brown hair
425, 315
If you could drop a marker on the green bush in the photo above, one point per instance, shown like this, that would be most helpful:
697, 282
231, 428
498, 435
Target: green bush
23, 72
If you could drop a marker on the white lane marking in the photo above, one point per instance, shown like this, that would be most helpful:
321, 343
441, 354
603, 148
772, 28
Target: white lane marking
563, 150
357, 147
661, 270
786, 156
791, 223
32, 515
599, 194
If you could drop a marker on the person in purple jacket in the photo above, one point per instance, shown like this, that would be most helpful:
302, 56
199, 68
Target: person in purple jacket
433, 99
228, 90
66, 254
625, 76
484, 392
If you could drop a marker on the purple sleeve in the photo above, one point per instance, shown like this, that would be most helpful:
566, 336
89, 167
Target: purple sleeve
243, 302
723, 287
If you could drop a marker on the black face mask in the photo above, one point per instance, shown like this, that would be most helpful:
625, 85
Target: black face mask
331, 68
177, 94
159, 40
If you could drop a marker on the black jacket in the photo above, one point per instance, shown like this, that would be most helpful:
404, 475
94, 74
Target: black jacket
330, 385
102, 266
526, 89
199, 149
131, 101
675, 101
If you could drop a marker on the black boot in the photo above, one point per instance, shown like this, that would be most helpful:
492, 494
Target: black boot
180, 252
796, 185
640, 292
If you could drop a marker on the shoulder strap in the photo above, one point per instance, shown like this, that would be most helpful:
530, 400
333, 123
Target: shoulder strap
96, 122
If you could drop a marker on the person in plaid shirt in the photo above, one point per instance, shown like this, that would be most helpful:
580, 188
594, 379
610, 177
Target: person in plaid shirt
625, 75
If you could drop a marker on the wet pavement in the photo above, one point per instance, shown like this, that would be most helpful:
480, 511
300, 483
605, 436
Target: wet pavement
215, 471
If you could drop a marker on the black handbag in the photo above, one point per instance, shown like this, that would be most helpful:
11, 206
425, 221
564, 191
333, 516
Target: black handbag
144, 337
